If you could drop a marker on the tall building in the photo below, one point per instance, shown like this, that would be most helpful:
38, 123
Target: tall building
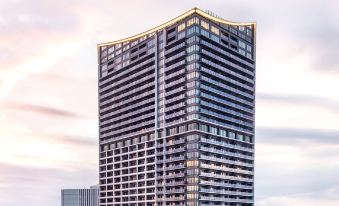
176, 107
80, 197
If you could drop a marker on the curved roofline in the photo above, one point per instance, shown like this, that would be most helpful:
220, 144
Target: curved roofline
188, 13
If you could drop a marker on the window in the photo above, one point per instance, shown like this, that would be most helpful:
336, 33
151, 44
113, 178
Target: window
161, 45
181, 35
205, 25
118, 60
192, 146
135, 140
134, 43
193, 116
192, 196
223, 132
241, 28
192, 155
233, 30
213, 130
192, 48
249, 48
125, 56
215, 30
125, 48
151, 50
125, 63
193, 109
192, 163
172, 131
150, 43
192, 75
192, 66
224, 35
215, 38
192, 39
193, 84
193, 92
110, 50
192, 57
103, 67
117, 46
182, 128
192, 180
118, 52
192, 126
161, 37
113, 146
240, 137
231, 135
242, 44
181, 27
248, 139
193, 30
205, 33
193, 137
192, 21
249, 32
204, 127
110, 56
242, 52
194, 100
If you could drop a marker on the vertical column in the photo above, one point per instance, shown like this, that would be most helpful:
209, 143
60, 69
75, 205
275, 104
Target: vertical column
162, 125
192, 170
156, 113
159, 96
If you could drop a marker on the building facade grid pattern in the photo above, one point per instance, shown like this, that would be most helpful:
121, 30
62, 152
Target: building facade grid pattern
80, 197
176, 115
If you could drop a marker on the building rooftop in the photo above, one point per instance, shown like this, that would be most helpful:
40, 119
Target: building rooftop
195, 10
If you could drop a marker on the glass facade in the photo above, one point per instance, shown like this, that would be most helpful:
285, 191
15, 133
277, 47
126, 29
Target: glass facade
176, 114
79, 197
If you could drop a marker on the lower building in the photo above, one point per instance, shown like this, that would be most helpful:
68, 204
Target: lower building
80, 197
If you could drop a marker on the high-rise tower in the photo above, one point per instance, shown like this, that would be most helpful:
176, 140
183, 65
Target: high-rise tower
176, 107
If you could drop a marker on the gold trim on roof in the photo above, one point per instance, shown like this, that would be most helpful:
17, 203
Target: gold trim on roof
190, 12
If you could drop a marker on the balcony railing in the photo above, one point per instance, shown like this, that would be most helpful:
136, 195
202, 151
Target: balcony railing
223, 152
222, 160
224, 144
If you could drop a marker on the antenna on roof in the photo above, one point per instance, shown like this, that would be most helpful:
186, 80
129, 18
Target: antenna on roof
213, 14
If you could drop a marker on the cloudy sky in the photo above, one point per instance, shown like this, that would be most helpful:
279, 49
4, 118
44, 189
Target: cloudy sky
48, 98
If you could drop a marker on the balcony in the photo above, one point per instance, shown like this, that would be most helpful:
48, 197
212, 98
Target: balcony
226, 192
224, 144
221, 199
175, 65
179, 46
223, 152
226, 185
126, 71
175, 57
172, 159
226, 169
226, 177
226, 161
